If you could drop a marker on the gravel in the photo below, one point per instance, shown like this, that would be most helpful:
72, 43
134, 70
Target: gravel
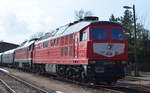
17, 86
3, 89
53, 84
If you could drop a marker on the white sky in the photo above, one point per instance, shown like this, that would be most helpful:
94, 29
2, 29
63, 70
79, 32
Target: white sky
19, 19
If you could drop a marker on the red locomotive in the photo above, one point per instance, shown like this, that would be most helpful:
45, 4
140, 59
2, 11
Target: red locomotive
87, 50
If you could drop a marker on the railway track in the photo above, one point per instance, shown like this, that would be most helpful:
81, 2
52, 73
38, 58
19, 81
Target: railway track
13, 84
132, 88
115, 88
4, 88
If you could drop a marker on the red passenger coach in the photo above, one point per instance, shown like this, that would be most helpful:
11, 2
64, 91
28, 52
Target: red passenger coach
88, 50
23, 55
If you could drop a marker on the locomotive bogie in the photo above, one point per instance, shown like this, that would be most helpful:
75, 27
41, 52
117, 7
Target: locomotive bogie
23, 65
105, 71
73, 72
50, 68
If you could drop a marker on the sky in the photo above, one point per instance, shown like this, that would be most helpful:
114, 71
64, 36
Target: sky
19, 19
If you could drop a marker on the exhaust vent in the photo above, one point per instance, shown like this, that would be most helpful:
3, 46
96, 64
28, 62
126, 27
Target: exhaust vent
91, 18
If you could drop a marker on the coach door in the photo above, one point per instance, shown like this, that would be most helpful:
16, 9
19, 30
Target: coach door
30, 53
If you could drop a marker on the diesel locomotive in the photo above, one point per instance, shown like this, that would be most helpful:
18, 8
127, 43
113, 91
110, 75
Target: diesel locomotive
87, 50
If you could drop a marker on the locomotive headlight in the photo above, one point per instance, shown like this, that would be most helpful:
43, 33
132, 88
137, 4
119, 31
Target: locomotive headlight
124, 62
92, 61
109, 46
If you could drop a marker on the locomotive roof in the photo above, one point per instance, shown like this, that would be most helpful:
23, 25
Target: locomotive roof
75, 27
106, 22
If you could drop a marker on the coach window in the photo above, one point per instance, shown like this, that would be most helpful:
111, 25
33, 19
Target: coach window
30, 48
38, 46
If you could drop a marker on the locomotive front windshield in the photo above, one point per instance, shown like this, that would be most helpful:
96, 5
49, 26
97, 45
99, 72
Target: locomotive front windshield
98, 33
107, 33
116, 34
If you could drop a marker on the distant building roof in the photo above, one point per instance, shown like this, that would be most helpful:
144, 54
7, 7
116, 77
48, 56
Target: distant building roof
4, 46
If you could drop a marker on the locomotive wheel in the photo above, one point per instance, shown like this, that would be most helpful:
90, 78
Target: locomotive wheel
61, 71
69, 73
83, 78
81, 75
77, 74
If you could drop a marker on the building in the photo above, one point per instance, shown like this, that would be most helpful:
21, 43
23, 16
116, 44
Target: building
4, 46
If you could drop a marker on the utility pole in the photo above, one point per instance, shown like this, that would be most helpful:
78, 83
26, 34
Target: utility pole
136, 73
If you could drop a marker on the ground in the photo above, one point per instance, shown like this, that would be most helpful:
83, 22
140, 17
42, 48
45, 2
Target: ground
143, 79
50, 83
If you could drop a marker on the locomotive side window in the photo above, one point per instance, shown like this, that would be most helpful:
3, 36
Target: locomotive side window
45, 44
66, 40
66, 51
62, 51
51, 42
71, 39
98, 33
70, 51
55, 42
58, 41
116, 34
62, 41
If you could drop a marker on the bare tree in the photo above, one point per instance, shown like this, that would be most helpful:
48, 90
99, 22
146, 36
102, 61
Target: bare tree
81, 14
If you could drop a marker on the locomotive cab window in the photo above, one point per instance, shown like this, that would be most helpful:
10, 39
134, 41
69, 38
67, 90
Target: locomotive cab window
116, 34
98, 33
84, 36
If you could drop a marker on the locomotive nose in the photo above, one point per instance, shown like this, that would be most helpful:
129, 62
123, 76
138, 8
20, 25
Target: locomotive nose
108, 49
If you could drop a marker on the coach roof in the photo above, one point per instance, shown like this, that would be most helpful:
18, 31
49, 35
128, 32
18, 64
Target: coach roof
9, 51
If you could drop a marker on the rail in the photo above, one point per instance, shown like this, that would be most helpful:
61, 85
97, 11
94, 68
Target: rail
22, 82
7, 86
